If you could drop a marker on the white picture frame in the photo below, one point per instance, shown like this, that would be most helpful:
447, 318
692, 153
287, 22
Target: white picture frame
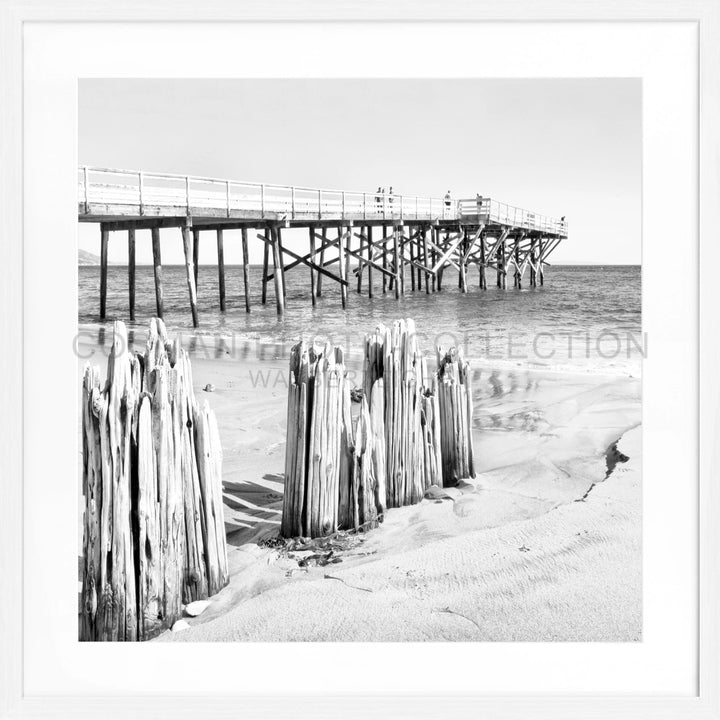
15, 430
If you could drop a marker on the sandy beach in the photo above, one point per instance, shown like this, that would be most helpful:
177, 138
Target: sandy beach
544, 544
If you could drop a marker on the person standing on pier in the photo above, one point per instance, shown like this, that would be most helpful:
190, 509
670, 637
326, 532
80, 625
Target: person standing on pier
378, 199
448, 202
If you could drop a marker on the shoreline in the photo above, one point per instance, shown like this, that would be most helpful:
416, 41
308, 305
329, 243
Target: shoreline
233, 347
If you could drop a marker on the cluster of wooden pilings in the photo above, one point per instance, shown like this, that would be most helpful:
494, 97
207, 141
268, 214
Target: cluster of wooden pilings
154, 536
374, 258
344, 469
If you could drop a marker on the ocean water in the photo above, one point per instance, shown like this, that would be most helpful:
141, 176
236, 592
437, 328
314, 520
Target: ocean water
585, 318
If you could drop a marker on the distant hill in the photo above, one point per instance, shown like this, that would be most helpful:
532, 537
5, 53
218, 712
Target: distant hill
87, 258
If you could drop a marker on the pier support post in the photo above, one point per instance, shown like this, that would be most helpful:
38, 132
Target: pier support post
246, 269
189, 270
196, 255
104, 239
277, 277
342, 266
500, 261
348, 248
396, 261
384, 258
533, 273
311, 233
266, 254
281, 263
131, 271
481, 267
411, 243
435, 237
426, 259
221, 268
541, 271
323, 242
463, 263
157, 270
518, 275
360, 260
369, 245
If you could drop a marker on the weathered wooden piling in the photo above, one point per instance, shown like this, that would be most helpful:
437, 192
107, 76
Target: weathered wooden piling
318, 441
154, 534
409, 411
455, 406
414, 430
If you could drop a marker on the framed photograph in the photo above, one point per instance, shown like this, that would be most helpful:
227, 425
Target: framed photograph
360, 359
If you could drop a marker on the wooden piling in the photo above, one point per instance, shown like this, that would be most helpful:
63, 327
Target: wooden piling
277, 272
246, 269
518, 275
196, 256
266, 253
426, 259
341, 266
360, 260
348, 248
104, 239
190, 273
541, 269
396, 262
157, 270
483, 279
281, 263
153, 533
319, 445
311, 232
221, 268
463, 263
384, 259
533, 275
370, 251
323, 243
131, 271
456, 411
393, 356
413, 259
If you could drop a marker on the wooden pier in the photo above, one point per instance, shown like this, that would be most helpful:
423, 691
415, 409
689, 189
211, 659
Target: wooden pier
352, 237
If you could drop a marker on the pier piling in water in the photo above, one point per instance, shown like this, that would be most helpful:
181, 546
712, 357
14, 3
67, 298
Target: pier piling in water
423, 236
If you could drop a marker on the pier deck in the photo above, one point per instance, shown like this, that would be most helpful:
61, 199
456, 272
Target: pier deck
421, 236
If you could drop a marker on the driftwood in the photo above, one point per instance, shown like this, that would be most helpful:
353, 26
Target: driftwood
154, 534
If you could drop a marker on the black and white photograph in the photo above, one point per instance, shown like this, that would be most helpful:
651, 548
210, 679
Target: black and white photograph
359, 360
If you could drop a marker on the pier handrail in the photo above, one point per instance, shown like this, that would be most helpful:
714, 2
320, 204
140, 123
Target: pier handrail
191, 194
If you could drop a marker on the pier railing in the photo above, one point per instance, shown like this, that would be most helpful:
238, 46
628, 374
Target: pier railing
106, 191
148, 192
503, 214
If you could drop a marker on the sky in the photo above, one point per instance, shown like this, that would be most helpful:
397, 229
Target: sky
553, 146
